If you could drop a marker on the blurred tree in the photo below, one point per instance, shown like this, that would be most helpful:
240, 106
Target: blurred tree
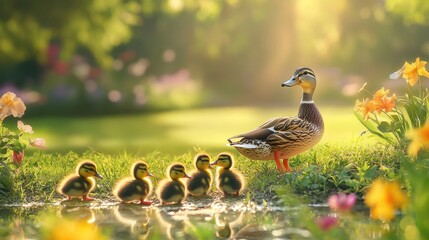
27, 27
413, 11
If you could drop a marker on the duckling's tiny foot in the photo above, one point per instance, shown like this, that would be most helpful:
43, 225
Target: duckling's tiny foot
86, 198
145, 203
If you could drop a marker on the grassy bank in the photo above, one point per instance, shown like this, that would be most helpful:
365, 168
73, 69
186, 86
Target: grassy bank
326, 169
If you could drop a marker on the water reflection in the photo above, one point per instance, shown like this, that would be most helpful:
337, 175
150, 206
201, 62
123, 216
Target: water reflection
218, 220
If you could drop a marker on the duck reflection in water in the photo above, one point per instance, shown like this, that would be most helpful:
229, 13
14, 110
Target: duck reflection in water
174, 224
136, 218
84, 214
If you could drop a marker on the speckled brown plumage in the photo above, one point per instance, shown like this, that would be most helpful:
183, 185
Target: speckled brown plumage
284, 137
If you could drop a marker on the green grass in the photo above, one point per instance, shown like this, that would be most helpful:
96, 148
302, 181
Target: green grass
319, 172
176, 132
343, 161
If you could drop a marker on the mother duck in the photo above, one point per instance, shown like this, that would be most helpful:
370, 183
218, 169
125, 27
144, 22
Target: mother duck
285, 137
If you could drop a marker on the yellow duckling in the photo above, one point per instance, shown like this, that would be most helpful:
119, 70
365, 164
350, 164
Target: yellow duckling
80, 184
173, 191
201, 181
229, 181
136, 188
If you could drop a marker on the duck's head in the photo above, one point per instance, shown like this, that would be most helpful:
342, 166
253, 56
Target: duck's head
88, 169
303, 77
177, 171
224, 160
140, 170
202, 162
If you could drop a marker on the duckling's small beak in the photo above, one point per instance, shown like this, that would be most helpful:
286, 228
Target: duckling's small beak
210, 166
187, 176
149, 174
98, 175
213, 163
290, 83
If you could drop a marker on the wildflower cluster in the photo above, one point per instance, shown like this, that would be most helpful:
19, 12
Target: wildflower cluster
390, 117
12, 144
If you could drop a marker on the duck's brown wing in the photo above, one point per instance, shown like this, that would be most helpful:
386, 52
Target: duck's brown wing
273, 126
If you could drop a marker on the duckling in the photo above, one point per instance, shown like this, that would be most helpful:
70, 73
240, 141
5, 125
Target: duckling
80, 184
173, 191
284, 137
201, 181
137, 188
229, 181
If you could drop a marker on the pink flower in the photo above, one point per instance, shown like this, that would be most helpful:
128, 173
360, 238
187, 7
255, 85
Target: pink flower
342, 202
326, 223
38, 143
24, 128
17, 157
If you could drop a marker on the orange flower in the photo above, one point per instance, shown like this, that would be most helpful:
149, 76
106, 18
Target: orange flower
380, 94
412, 71
383, 198
385, 103
419, 138
365, 107
10, 104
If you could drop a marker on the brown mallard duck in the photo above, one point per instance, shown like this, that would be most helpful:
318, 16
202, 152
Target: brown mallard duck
201, 181
229, 180
80, 184
136, 188
173, 191
285, 137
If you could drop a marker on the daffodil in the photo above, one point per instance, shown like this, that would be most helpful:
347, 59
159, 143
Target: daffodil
365, 107
419, 138
412, 71
10, 104
384, 198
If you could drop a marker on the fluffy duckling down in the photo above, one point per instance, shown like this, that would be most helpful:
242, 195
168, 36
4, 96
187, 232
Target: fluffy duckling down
172, 190
136, 188
81, 183
229, 181
201, 181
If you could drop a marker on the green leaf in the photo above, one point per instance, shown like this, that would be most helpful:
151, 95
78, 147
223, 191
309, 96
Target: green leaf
384, 127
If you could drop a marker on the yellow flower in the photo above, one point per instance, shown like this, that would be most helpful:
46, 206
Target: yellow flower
419, 138
10, 104
365, 107
383, 198
412, 71
70, 230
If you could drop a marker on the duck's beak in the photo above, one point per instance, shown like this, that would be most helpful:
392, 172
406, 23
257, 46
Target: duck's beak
291, 82
213, 163
187, 176
210, 166
149, 174
98, 175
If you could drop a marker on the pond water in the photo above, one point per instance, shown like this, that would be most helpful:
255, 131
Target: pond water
209, 219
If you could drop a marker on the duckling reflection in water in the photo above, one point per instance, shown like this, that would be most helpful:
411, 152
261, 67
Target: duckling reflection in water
174, 224
137, 188
226, 222
84, 214
173, 191
80, 184
201, 179
229, 180
137, 218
